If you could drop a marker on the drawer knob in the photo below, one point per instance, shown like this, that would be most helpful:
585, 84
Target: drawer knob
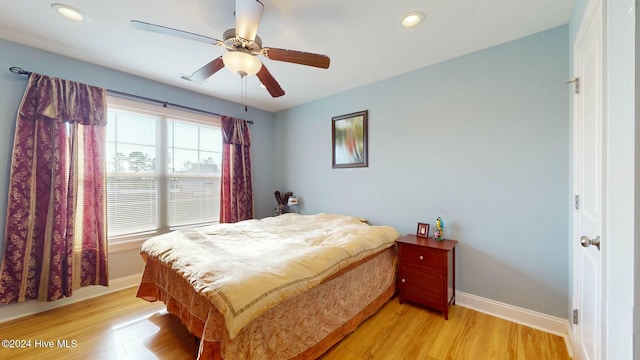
421, 258
402, 280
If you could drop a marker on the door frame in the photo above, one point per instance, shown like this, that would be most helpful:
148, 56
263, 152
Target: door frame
575, 247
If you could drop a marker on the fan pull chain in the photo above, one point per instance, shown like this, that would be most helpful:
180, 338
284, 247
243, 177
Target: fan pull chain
245, 94
243, 91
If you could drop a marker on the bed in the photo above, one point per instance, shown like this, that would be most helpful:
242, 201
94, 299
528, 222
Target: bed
285, 287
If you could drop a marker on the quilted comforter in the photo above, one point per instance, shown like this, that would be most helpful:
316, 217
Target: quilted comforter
248, 267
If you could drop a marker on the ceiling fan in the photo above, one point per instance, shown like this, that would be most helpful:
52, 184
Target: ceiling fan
243, 45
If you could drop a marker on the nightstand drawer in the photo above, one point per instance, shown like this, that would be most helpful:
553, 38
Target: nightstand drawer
423, 256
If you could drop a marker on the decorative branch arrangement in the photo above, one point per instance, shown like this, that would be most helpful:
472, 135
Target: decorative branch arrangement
282, 200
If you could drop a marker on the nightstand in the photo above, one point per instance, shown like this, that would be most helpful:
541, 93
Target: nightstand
427, 272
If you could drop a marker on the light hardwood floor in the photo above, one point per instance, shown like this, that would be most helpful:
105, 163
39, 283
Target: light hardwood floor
120, 326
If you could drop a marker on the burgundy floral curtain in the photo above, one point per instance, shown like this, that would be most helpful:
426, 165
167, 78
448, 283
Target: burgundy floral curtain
236, 191
55, 236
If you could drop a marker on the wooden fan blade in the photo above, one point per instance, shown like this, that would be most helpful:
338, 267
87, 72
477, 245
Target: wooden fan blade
141, 25
206, 71
248, 16
297, 57
269, 82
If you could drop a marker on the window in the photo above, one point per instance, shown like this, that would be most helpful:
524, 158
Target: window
163, 169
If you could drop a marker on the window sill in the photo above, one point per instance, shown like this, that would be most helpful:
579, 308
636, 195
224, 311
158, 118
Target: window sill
133, 242
128, 245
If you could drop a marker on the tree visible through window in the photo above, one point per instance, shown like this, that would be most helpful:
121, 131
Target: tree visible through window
163, 170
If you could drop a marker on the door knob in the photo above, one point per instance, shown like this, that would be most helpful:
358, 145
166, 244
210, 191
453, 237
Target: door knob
586, 242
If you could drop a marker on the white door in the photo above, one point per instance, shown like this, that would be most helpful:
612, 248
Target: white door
588, 184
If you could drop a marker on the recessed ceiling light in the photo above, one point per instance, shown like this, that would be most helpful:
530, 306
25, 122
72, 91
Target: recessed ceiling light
69, 12
412, 19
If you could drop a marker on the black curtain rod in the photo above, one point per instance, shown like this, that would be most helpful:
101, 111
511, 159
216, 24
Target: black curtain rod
19, 71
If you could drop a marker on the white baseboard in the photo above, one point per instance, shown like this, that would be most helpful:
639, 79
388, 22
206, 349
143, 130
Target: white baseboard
14, 311
551, 324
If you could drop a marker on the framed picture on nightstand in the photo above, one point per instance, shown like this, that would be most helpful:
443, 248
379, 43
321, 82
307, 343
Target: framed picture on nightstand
423, 230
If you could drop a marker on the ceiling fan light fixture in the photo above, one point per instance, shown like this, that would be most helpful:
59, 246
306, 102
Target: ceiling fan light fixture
241, 63
412, 19
69, 12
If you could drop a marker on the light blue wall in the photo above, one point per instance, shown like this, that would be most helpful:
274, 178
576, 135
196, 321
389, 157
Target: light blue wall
481, 140
12, 87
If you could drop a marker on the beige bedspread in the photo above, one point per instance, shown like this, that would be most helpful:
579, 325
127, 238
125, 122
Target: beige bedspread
248, 267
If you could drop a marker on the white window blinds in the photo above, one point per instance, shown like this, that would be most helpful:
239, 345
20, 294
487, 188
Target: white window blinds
194, 158
163, 169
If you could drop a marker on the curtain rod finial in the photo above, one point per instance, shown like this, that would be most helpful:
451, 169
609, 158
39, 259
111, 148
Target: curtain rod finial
19, 71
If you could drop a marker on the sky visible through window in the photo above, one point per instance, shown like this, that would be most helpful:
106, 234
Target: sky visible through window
132, 141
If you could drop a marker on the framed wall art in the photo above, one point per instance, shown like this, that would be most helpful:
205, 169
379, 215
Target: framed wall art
349, 140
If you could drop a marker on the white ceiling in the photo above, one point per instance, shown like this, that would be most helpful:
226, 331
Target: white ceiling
363, 38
